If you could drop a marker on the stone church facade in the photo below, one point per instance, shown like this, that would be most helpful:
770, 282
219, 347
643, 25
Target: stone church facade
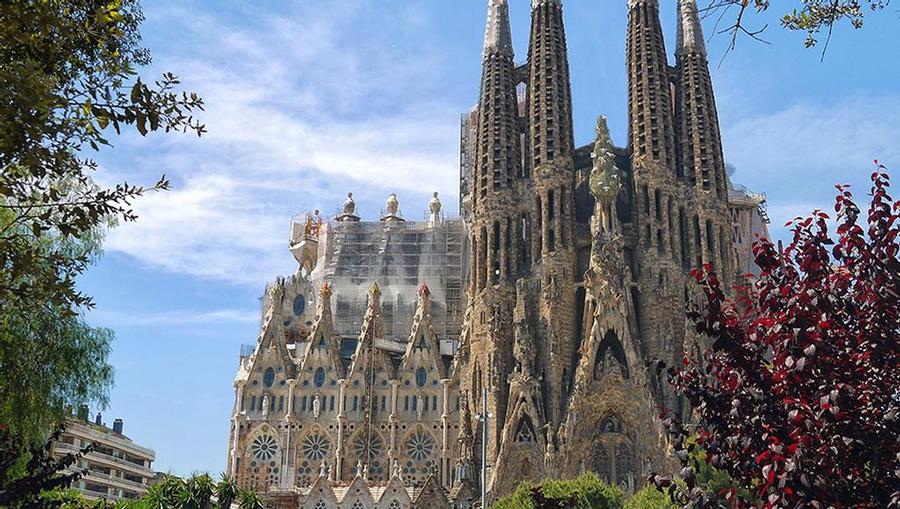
539, 306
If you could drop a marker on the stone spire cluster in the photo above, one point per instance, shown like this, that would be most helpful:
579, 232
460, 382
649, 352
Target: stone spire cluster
595, 301
410, 352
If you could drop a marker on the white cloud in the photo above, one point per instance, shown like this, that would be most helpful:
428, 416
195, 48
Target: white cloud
300, 110
171, 318
797, 155
807, 142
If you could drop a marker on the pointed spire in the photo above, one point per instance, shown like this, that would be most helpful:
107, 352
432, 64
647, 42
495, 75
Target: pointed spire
690, 31
550, 96
652, 132
497, 35
323, 335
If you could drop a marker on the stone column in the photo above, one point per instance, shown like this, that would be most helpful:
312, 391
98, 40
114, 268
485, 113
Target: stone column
342, 419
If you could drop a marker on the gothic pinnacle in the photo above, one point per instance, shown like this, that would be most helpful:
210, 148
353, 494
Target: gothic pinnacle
690, 32
498, 35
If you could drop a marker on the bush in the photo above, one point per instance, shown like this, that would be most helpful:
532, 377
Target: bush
649, 498
586, 491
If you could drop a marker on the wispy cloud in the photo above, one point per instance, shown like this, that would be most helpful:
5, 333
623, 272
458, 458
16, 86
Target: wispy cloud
300, 110
797, 155
173, 318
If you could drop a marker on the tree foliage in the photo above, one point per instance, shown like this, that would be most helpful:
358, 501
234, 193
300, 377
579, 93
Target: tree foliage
797, 398
28, 473
649, 498
810, 16
584, 492
67, 78
51, 359
67, 82
31, 478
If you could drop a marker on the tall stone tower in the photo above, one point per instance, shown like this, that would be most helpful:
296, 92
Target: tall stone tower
553, 179
487, 342
701, 158
659, 209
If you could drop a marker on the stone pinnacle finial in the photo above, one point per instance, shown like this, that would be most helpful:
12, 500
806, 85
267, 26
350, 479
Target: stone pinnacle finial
424, 291
374, 290
498, 35
325, 291
633, 3
690, 31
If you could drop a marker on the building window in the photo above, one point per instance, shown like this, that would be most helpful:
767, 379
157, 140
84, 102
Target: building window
264, 447
320, 377
421, 377
269, 377
253, 403
299, 304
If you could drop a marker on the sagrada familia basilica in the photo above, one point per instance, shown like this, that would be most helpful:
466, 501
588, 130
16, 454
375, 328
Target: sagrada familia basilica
403, 356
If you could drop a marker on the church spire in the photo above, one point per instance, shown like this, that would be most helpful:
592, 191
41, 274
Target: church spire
497, 153
550, 95
702, 160
690, 33
497, 35
651, 133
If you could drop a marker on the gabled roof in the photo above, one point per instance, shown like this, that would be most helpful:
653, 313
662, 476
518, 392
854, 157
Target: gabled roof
422, 336
323, 336
272, 333
372, 331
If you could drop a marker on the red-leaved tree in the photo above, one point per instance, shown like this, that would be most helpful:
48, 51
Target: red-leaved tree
798, 397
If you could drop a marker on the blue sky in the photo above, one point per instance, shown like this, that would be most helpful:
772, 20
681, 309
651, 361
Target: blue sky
309, 99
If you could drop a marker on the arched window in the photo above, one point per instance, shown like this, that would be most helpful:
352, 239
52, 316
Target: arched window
299, 304
421, 377
269, 377
320, 377
525, 432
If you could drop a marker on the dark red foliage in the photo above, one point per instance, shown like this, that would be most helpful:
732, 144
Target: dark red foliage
798, 397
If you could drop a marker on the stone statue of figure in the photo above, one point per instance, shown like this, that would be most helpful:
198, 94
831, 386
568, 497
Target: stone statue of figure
434, 207
359, 467
548, 451
265, 406
323, 469
420, 407
395, 469
316, 405
349, 207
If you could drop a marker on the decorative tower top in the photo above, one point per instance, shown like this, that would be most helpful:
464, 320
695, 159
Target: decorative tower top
424, 291
606, 179
325, 291
392, 209
690, 32
498, 35
434, 207
348, 210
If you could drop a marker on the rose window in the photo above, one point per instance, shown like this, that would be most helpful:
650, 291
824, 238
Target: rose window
316, 447
375, 446
420, 446
264, 447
